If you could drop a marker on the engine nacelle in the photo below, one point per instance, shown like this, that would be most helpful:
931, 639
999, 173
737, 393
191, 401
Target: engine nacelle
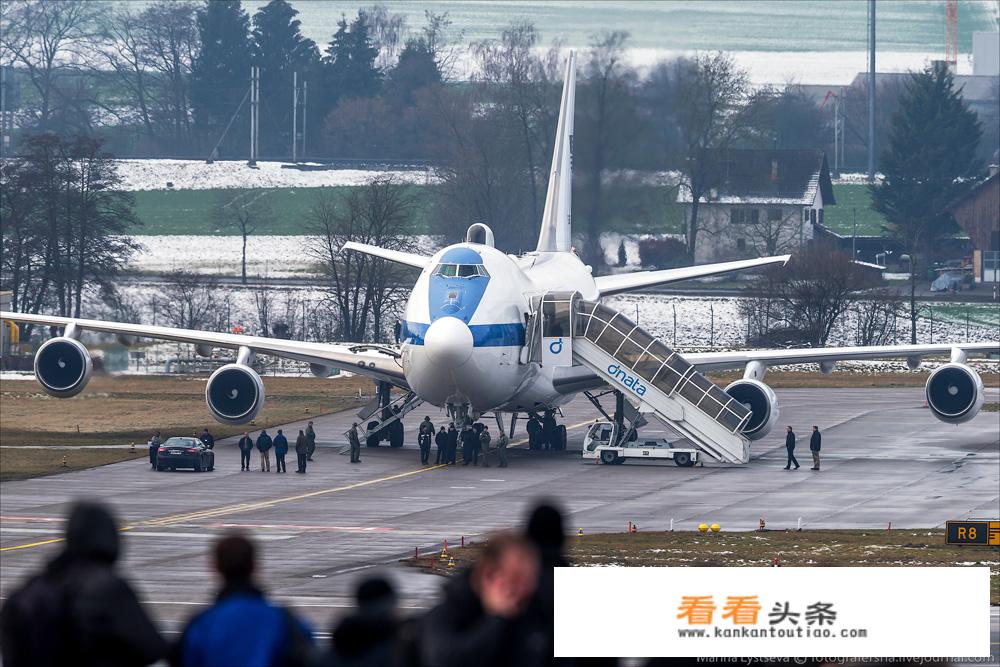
760, 400
234, 394
954, 393
321, 370
63, 366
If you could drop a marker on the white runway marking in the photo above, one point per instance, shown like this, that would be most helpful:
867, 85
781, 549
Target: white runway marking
461, 487
492, 480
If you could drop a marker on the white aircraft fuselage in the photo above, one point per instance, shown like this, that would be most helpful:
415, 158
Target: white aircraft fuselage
464, 327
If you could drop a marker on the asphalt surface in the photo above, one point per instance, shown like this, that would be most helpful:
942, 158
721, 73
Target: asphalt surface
885, 459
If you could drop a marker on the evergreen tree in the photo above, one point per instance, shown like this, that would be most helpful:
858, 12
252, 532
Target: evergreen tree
929, 163
279, 49
220, 75
349, 65
417, 68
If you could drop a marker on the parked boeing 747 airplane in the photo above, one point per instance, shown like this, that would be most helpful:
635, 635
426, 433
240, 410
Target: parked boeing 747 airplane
488, 332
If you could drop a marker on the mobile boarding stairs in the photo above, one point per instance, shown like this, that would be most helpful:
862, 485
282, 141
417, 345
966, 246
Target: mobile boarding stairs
565, 330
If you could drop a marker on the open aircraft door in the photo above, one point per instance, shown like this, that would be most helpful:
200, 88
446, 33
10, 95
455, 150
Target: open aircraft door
557, 311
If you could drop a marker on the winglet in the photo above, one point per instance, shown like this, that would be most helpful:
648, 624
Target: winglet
556, 231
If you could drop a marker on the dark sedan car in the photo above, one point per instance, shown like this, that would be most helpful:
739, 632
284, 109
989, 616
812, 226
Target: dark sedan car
184, 453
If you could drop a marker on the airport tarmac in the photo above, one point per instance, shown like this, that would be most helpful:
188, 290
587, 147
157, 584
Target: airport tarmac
885, 459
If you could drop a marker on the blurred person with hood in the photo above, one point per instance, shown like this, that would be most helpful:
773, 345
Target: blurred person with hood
79, 611
369, 636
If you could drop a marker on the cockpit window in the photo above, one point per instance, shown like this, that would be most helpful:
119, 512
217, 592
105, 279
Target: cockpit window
461, 270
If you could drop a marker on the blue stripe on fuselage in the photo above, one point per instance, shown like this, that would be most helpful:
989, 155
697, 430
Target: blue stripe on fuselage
483, 335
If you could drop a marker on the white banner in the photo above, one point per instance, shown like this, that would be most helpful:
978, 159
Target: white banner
764, 611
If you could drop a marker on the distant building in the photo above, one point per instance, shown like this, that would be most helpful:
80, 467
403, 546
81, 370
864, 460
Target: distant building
986, 53
978, 214
766, 202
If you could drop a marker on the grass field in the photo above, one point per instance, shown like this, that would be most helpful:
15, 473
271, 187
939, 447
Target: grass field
853, 198
119, 410
807, 548
191, 211
634, 209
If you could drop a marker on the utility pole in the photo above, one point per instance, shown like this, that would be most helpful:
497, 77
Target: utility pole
871, 91
3, 111
305, 110
854, 239
254, 111
295, 115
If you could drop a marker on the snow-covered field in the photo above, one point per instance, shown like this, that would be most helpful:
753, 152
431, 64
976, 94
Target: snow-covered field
198, 175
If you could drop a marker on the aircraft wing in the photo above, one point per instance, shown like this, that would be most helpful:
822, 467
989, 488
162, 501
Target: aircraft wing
356, 358
720, 361
628, 282
398, 256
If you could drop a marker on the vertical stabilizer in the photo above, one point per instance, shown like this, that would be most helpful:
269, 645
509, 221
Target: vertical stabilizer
556, 231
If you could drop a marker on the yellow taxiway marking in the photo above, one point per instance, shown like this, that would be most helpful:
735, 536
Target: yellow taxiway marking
245, 507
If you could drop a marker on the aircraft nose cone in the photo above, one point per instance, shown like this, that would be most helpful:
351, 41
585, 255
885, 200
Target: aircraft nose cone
448, 342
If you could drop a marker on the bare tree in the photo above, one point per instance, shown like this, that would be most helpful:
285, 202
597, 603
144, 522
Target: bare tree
123, 47
188, 300
512, 76
775, 231
171, 43
246, 212
816, 288
711, 93
607, 109
363, 290
263, 297
49, 40
876, 317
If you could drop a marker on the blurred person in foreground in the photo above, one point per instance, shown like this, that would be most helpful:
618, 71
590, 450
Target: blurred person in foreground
481, 620
242, 627
369, 637
79, 611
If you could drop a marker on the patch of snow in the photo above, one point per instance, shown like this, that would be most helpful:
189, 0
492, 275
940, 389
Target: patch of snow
199, 175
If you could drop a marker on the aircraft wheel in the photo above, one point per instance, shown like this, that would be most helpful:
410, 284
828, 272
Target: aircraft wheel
396, 434
683, 460
560, 443
608, 457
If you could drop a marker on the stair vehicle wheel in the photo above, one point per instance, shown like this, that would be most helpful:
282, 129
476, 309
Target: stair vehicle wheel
373, 439
620, 460
609, 457
683, 459
560, 443
396, 434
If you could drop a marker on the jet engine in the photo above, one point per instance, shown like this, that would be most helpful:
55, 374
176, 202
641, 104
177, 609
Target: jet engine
954, 393
760, 400
234, 394
63, 366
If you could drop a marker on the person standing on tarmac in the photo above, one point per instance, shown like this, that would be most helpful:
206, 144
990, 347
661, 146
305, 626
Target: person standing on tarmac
441, 442
264, 447
355, 440
468, 435
301, 452
79, 610
815, 441
790, 449
154, 447
534, 428
424, 441
311, 440
502, 443
207, 438
246, 447
549, 430
280, 450
452, 444
484, 443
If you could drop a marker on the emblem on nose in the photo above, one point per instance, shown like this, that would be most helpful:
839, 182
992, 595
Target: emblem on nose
448, 342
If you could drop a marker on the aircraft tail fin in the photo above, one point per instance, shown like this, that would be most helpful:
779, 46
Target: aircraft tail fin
556, 231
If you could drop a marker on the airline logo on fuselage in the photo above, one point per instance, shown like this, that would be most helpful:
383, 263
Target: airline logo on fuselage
630, 381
